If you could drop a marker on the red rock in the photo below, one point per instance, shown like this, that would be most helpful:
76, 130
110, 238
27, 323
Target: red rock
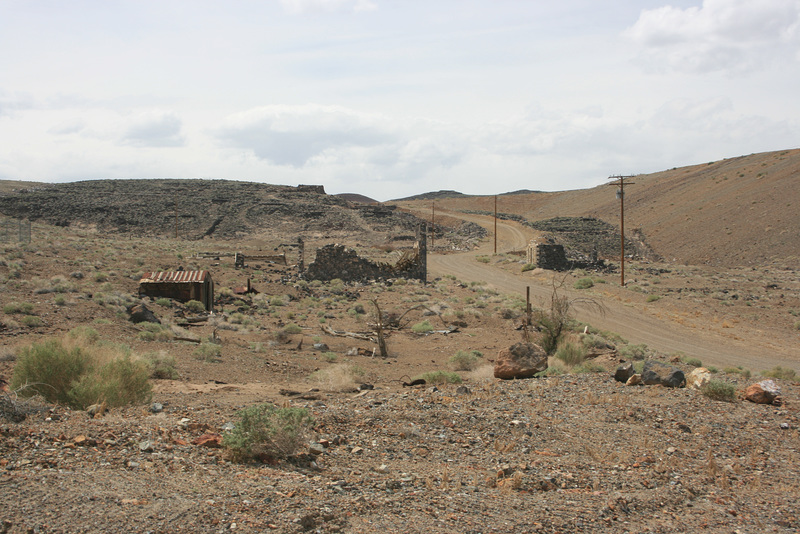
212, 441
522, 360
764, 392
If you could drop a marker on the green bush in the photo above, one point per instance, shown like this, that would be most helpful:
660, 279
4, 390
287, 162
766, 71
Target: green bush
422, 328
780, 372
483, 259
31, 321
694, 362
162, 366
440, 377
739, 370
528, 267
195, 306
292, 328
60, 300
588, 367
652, 298
49, 369
464, 361
209, 352
155, 332
634, 352
570, 353
719, 390
583, 283
265, 432
25, 308
118, 382
76, 376
165, 302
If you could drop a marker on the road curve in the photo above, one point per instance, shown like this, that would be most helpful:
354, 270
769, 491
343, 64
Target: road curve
631, 323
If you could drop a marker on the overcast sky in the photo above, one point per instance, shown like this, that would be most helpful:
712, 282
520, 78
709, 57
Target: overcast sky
390, 98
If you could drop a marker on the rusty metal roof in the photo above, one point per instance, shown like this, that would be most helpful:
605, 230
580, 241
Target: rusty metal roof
175, 277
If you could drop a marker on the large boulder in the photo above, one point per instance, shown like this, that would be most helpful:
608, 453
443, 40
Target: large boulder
699, 377
522, 360
657, 373
624, 372
764, 392
142, 314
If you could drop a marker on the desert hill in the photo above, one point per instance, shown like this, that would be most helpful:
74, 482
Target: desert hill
739, 211
199, 208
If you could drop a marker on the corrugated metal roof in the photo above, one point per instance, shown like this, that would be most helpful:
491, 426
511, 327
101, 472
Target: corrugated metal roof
186, 277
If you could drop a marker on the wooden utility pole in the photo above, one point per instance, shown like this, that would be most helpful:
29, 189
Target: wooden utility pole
433, 225
176, 216
495, 224
621, 183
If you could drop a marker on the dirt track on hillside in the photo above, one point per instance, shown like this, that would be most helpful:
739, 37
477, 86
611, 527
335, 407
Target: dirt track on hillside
633, 323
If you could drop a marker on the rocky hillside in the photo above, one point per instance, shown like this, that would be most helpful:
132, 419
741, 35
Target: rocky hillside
199, 208
739, 211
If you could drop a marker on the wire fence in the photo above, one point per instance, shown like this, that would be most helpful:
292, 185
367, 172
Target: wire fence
15, 230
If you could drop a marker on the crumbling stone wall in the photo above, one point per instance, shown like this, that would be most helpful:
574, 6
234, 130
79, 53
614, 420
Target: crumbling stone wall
548, 256
338, 261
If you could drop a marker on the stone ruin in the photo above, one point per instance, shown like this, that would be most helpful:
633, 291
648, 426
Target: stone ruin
337, 261
548, 256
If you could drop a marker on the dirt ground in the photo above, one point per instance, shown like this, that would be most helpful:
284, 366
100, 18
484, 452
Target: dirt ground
577, 452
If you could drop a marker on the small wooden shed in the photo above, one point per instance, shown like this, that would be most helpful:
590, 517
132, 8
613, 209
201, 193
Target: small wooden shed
179, 285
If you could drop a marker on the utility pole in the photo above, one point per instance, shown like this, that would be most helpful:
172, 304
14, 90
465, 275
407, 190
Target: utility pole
176, 215
495, 224
433, 225
621, 183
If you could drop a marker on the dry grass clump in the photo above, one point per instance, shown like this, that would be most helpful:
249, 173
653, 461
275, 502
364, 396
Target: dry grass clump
338, 377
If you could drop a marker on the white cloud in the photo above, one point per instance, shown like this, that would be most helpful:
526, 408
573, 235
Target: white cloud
154, 129
297, 7
734, 36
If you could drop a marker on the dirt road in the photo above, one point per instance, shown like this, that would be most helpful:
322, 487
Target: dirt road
636, 324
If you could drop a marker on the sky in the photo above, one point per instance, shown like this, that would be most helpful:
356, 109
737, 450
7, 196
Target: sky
390, 98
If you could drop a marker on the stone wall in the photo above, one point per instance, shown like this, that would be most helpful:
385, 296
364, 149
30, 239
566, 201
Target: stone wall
338, 261
548, 256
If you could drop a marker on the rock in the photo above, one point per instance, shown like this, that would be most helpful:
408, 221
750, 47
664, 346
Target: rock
142, 314
96, 410
146, 446
463, 390
635, 380
227, 427
657, 373
366, 387
698, 378
624, 372
316, 449
212, 441
381, 469
764, 392
156, 407
522, 360
322, 347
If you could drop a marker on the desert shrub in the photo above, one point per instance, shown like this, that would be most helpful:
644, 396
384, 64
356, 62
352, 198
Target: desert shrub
422, 328
162, 365
571, 353
155, 332
652, 298
25, 308
78, 374
780, 372
31, 321
483, 259
507, 313
464, 361
739, 370
209, 352
588, 367
528, 267
292, 328
60, 300
551, 371
694, 362
165, 302
634, 352
267, 432
84, 335
49, 369
719, 390
330, 357
440, 377
583, 283
195, 306
117, 382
